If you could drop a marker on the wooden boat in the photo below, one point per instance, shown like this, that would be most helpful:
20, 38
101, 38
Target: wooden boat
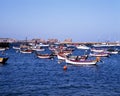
61, 56
99, 54
112, 51
82, 47
81, 62
83, 57
3, 60
38, 49
43, 45
97, 50
2, 49
26, 51
45, 56
16, 48
66, 52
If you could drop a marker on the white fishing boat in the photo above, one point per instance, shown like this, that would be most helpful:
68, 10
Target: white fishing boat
16, 48
43, 45
45, 56
97, 50
82, 47
112, 51
99, 54
2, 49
26, 51
84, 62
77, 57
38, 49
61, 56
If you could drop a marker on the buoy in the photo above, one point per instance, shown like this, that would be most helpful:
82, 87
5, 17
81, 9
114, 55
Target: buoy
65, 67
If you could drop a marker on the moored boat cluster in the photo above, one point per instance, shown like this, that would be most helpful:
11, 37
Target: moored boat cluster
64, 52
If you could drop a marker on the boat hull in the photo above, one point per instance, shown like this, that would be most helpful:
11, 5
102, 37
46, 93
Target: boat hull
83, 47
81, 62
100, 55
60, 57
26, 51
2, 49
44, 57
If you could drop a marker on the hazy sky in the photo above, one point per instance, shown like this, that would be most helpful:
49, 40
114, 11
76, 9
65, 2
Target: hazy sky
81, 20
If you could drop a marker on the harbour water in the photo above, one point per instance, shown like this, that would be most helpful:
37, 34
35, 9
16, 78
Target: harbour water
27, 75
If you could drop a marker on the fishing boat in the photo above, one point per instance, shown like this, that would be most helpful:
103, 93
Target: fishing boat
43, 45
38, 49
97, 50
82, 57
102, 54
3, 60
81, 62
61, 56
2, 49
66, 52
45, 56
82, 47
112, 51
16, 48
26, 51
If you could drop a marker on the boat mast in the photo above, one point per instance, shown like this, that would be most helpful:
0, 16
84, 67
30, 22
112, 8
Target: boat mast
26, 40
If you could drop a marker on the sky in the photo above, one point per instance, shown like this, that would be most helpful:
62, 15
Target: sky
81, 20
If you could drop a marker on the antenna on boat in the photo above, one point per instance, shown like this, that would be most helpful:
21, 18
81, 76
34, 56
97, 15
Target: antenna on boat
26, 40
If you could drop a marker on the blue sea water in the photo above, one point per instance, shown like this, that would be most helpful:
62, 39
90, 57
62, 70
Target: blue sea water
27, 75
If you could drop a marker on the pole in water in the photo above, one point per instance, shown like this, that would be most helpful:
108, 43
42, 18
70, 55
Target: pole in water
65, 67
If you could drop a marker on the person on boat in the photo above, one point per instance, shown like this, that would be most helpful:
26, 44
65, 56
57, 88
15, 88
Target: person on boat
77, 58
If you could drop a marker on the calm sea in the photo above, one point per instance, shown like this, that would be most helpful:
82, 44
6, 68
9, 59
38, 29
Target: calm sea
27, 75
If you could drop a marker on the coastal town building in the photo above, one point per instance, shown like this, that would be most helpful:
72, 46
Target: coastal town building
8, 40
38, 40
68, 40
